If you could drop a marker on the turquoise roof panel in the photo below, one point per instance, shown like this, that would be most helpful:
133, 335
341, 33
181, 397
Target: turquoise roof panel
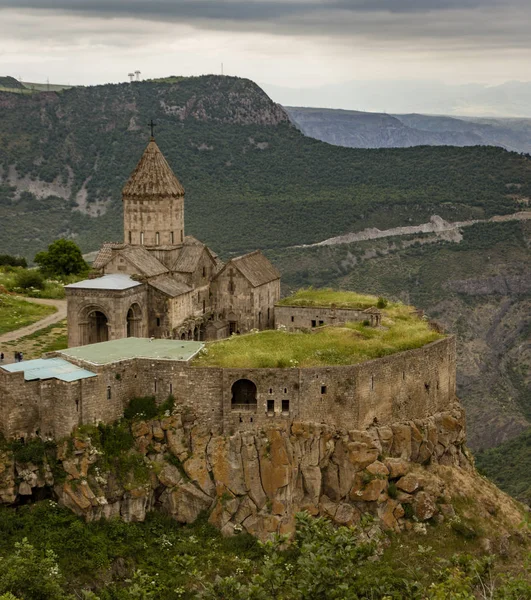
48, 368
128, 348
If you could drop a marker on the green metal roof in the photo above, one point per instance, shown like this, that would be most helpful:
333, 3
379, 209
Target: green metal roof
126, 348
48, 368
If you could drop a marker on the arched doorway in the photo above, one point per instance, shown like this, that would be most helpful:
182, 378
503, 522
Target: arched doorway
243, 395
94, 326
134, 321
98, 327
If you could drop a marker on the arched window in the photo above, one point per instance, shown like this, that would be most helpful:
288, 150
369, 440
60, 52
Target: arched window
142, 237
243, 395
157, 238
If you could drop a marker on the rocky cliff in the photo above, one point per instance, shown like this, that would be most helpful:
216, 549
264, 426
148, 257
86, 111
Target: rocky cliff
255, 481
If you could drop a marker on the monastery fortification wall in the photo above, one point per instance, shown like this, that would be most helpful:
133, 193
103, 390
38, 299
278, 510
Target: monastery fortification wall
409, 385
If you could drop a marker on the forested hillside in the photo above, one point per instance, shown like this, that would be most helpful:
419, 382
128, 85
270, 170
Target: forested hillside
252, 179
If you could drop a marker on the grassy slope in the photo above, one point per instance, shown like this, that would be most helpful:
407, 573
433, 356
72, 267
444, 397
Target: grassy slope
16, 313
51, 338
287, 190
350, 344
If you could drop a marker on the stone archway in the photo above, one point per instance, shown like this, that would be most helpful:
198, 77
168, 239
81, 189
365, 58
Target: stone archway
134, 321
94, 325
244, 395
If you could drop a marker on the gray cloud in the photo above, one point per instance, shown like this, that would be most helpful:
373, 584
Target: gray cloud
438, 25
258, 10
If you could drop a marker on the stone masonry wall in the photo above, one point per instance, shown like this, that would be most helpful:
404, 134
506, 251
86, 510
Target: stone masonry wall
306, 317
409, 385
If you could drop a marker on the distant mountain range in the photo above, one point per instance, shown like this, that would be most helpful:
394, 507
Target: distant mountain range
356, 129
510, 99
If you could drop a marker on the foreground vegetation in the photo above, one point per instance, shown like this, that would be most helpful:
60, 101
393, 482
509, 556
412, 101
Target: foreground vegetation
16, 313
48, 553
350, 344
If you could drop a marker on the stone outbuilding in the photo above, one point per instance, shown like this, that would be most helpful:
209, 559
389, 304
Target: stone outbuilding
161, 283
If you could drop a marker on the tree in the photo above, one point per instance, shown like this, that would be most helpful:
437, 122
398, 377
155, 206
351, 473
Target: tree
62, 258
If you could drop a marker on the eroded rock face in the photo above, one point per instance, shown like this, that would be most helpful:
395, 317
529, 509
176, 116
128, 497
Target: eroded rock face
258, 480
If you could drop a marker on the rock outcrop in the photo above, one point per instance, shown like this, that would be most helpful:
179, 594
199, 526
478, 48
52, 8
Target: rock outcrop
254, 481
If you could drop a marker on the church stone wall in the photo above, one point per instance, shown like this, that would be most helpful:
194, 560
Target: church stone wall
114, 305
238, 301
145, 218
306, 317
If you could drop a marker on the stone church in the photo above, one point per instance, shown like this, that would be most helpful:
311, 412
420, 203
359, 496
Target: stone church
162, 283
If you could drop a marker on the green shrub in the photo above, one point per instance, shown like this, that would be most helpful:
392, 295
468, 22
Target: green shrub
29, 279
116, 438
34, 451
167, 406
382, 302
145, 408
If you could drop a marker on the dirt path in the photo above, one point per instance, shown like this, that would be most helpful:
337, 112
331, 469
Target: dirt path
60, 305
436, 225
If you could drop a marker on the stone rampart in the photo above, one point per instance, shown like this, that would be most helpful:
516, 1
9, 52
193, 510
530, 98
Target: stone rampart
409, 385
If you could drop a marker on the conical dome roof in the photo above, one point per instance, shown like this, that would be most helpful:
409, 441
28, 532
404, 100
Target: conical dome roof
153, 176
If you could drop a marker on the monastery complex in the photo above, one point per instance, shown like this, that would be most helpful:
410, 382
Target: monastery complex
156, 299
162, 283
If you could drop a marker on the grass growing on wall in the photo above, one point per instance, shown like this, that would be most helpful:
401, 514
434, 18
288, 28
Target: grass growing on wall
16, 313
353, 343
328, 297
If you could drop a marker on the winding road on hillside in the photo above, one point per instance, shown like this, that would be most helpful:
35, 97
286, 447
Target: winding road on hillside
55, 317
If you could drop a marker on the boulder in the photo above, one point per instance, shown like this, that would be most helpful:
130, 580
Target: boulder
409, 483
185, 502
169, 475
424, 506
369, 492
378, 468
346, 514
398, 467
401, 446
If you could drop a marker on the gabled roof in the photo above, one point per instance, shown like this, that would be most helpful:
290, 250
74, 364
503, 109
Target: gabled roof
143, 260
188, 258
169, 286
116, 281
255, 267
190, 254
105, 254
153, 176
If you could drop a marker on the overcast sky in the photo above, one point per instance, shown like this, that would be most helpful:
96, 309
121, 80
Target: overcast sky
299, 44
